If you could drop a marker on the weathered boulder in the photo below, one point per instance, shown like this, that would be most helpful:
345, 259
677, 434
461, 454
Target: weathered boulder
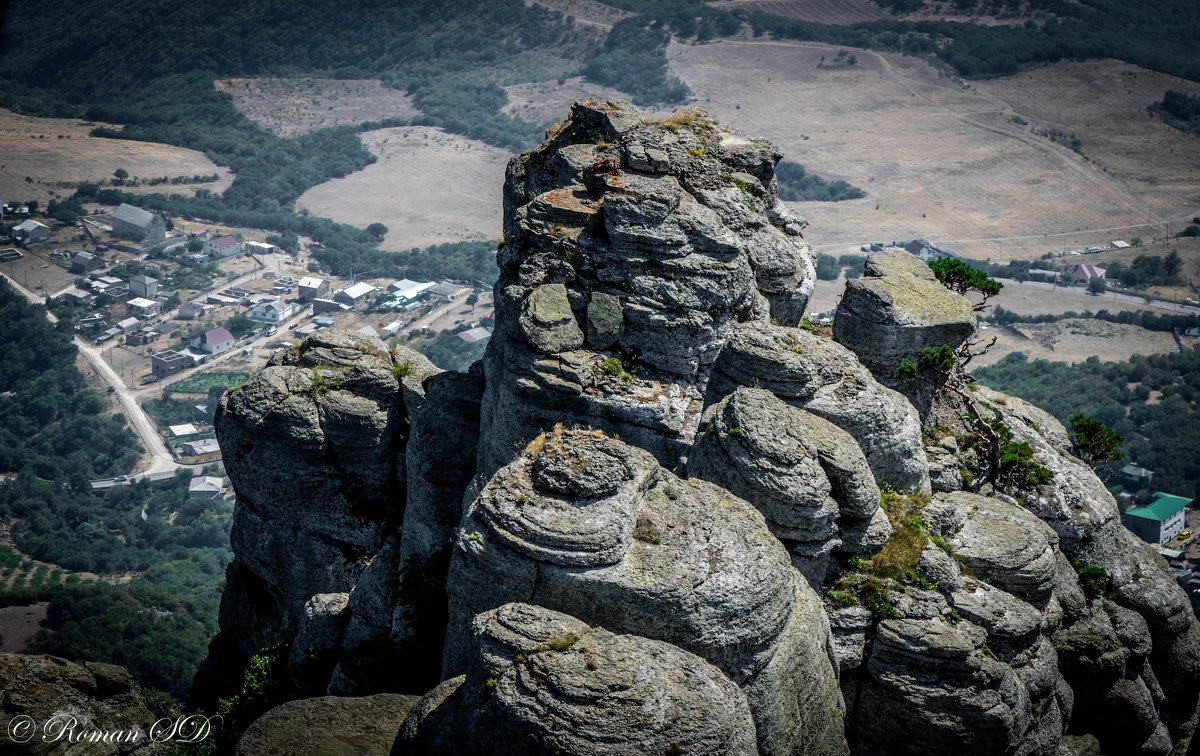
583, 522
547, 320
1004, 543
541, 682
327, 725
645, 237
47, 701
896, 309
931, 688
802, 472
825, 379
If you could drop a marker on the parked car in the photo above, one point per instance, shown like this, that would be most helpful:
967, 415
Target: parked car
121, 479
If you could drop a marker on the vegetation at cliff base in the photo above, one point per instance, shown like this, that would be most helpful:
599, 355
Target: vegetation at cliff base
54, 438
1150, 400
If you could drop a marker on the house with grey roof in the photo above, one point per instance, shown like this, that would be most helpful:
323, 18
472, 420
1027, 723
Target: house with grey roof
138, 224
143, 286
31, 231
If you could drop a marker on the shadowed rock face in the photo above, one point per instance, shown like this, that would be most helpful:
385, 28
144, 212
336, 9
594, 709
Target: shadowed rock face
538, 681
650, 518
99, 697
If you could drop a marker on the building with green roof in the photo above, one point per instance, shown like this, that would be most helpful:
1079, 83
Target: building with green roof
1160, 520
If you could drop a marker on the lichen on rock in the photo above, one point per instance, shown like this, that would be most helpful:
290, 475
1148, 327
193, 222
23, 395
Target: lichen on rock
663, 514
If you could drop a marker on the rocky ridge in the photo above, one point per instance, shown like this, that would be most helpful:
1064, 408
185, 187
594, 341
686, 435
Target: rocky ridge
663, 509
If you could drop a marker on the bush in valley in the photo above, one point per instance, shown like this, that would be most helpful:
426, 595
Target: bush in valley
1140, 318
633, 59
797, 185
1180, 110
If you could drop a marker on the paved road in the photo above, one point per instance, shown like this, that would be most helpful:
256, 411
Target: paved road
162, 461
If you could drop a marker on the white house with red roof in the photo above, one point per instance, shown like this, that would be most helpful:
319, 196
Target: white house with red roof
216, 341
222, 247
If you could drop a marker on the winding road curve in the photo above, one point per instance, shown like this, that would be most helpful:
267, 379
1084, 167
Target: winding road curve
162, 464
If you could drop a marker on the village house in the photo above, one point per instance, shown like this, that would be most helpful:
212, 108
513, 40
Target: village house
206, 487
140, 225
408, 291
1160, 520
31, 231
260, 248
478, 333
169, 363
183, 431
353, 294
193, 310
216, 341
446, 291
142, 308
313, 288
273, 311
1085, 272
143, 286
222, 248
202, 447
86, 262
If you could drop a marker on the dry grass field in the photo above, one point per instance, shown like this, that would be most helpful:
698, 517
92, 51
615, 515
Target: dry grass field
297, 106
550, 101
1074, 341
56, 154
428, 187
1071, 340
941, 158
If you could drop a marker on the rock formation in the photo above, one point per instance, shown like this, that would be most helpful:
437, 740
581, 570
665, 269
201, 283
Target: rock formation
49, 705
665, 512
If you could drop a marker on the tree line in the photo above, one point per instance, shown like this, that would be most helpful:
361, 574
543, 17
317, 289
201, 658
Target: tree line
1151, 400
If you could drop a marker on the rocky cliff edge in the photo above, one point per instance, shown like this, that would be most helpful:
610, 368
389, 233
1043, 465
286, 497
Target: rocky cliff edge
666, 511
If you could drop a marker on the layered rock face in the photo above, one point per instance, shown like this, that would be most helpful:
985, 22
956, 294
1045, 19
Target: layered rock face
49, 705
665, 514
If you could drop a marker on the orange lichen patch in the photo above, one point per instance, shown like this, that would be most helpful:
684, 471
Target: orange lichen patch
604, 175
567, 206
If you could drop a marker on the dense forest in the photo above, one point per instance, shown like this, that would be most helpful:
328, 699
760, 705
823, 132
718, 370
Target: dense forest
1152, 401
52, 441
50, 422
1142, 319
1157, 34
159, 623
